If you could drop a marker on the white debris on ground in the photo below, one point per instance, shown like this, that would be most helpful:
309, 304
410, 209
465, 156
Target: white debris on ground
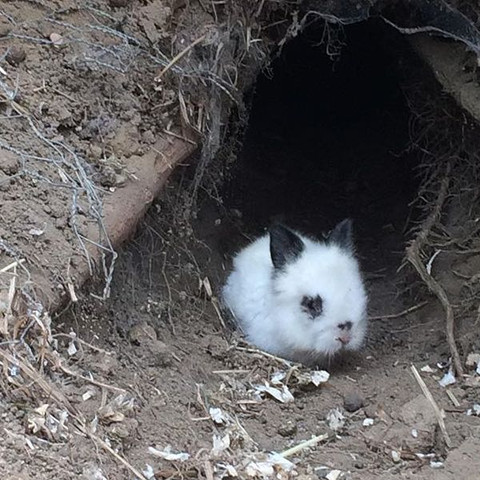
448, 379
167, 454
368, 422
148, 472
428, 369
334, 475
282, 394
277, 386
234, 454
335, 419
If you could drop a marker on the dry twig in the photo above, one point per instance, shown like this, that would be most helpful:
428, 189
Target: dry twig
264, 354
302, 446
436, 408
399, 314
179, 56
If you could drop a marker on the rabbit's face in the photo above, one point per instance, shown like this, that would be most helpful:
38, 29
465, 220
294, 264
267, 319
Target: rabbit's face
319, 292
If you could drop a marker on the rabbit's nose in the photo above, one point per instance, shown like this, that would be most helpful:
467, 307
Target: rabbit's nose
344, 339
345, 335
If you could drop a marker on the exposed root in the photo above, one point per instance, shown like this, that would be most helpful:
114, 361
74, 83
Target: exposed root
414, 257
391, 316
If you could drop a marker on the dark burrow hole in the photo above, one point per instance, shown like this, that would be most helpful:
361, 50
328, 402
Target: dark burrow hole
327, 139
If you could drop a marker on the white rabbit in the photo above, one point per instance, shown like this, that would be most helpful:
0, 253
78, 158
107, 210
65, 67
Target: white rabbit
297, 297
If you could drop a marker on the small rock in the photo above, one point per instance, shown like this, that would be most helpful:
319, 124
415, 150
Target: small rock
120, 431
16, 55
63, 116
396, 456
142, 334
5, 29
216, 346
371, 411
109, 176
120, 179
60, 223
473, 360
124, 429
4, 182
96, 151
148, 137
9, 162
56, 39
160, 354
288, 429
353, 401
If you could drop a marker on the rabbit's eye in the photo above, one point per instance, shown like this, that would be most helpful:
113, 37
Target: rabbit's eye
312, 305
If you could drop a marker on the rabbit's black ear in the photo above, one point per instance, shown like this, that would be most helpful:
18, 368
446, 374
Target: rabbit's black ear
342, 235
285, 245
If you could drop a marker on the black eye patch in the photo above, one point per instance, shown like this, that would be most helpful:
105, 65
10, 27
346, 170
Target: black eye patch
312, 305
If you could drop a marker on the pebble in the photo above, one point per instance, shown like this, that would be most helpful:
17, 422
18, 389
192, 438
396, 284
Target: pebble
145, 337
16, 55
109, 176
148, 137
4, 29
141, 334
9, 164
56, 39
125, 429
288, 429
96, 151
120, 179
353, 401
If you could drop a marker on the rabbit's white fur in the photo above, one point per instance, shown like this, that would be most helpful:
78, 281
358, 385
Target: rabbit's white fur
266, 301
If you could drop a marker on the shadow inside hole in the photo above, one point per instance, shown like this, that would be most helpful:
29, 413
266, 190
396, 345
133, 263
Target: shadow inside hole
328, 140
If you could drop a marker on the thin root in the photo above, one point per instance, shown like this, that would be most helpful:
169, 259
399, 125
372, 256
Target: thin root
413, 256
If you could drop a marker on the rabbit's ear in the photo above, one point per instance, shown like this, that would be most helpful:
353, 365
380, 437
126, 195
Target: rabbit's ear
342, 235
285, 245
